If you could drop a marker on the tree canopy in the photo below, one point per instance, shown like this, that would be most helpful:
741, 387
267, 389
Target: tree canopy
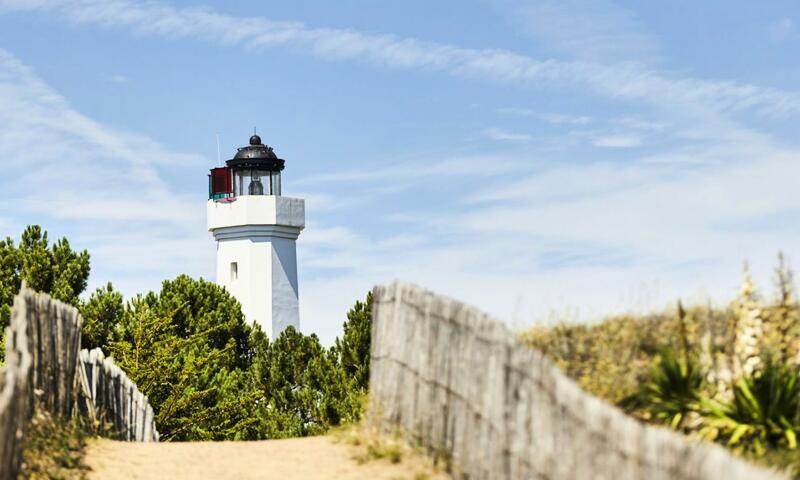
54, 269
101, 313
353, 348
208, 373
210, 376
187, 348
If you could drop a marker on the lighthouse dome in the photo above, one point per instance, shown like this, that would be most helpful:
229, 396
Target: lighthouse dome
256, 155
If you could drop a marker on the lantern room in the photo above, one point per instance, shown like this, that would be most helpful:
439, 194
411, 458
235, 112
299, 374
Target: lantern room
254, 170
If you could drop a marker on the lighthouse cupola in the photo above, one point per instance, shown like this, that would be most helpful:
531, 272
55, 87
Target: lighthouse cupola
254, 170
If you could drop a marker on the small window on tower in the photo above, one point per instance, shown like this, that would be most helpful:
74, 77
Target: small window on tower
234, 270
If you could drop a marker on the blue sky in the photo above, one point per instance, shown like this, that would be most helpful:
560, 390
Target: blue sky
539, 159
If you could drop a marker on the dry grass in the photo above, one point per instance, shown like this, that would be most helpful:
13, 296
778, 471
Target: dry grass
371, 446
54, 449
612, 358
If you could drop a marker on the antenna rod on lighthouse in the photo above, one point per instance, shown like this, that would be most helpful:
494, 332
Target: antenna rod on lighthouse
219, 159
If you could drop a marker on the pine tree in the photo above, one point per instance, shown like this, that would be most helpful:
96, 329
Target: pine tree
102, 314
53, 269
294, 381
354, 347
187, 348
10, 266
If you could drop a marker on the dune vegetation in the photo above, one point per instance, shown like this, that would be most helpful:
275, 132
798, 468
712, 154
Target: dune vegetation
722, 374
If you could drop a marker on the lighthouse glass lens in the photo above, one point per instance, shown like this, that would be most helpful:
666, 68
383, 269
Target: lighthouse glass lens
256, 188
256, 182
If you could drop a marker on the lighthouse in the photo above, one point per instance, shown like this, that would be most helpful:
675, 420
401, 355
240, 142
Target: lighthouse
256, 229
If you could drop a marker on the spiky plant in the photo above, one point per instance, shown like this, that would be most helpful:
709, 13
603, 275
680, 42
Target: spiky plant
749, 330
671, 393
764, 411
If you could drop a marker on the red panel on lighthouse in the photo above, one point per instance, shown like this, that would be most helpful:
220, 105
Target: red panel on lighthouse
221, 181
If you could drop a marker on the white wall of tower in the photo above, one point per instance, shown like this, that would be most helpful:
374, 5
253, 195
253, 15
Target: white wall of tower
258, 234
285, 299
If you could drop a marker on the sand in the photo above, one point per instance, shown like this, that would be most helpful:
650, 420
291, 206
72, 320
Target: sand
296, 458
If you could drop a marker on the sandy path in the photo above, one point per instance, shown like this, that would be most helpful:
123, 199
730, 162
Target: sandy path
296, 458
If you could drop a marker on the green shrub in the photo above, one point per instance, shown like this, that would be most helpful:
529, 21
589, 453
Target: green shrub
672, 392
764, 412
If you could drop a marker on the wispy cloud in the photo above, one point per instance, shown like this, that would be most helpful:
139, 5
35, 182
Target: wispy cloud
554, 118
617, 141
506, 136
101, 186
657, 212
640, 124
593, 30
626, 81
415, 170
590, 235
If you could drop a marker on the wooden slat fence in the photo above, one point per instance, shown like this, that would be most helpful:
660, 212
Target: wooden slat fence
114, 399
54, 340
16, 393
459, 384
45, 368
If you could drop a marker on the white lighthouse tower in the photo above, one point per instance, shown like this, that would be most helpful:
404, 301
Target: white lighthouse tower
256, 229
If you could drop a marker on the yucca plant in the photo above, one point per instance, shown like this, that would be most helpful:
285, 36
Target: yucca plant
764, 411
671, 392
